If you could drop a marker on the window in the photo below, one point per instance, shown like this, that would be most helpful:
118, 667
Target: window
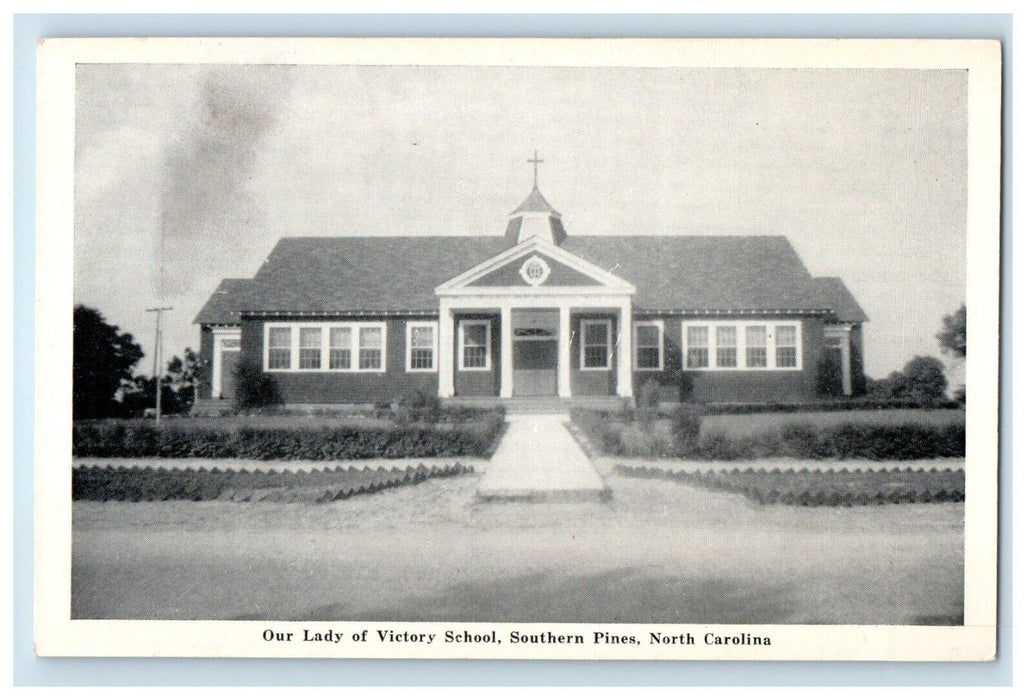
785, 346
310, 348
324, 347
741, 345
421, 346
727, 352
697, 345
279, 347
649, 345
756, 346
371, 347
595, 344
340, 347
475, 336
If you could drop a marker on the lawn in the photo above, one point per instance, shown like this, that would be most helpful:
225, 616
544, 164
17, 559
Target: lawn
657, 553
749, 423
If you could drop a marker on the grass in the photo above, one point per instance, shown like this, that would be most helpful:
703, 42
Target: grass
96, 483
821, 487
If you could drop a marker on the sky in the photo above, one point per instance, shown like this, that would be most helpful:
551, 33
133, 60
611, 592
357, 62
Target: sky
186, 174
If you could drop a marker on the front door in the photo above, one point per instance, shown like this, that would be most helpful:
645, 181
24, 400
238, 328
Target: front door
228, 375
534, 366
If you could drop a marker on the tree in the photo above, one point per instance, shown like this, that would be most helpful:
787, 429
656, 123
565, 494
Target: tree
924, 380
102, 359
178, 382
952, 337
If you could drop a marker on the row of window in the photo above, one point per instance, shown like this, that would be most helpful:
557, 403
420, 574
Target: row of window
346, 347
708, 345
361, 347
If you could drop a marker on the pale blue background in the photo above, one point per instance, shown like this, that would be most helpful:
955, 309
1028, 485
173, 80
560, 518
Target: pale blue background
28, 670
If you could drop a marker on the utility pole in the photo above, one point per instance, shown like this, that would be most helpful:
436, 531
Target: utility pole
157, 311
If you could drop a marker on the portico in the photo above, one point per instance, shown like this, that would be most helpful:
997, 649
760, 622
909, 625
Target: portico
565, 332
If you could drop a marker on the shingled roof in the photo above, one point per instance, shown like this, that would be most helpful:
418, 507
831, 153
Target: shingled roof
224, 305
535, 202
671, 273
833, 291
395, 273
704, 273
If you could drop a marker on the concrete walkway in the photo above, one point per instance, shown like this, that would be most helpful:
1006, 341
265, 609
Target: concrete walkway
539, 460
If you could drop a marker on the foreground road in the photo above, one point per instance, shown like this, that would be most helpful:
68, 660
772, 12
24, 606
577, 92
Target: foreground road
658, 552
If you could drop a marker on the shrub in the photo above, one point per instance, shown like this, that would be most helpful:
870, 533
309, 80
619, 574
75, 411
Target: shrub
255, 388
686, 424
418, 407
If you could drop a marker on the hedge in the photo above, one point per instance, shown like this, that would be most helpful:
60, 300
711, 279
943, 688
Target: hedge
820, 487
309, 443
799, 440
906, 441
96, 483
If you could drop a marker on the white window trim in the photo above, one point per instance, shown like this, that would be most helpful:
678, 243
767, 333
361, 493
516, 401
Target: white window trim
433, 326
740, 345
461, 336
324, 350
585, 322
659, 325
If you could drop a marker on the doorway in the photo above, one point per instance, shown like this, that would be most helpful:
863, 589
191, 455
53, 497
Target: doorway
535, 352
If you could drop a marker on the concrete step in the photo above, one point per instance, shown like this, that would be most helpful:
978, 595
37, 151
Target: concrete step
545, 404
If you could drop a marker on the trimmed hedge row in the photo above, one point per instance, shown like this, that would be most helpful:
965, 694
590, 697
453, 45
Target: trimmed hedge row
822, 488
97, 483
846, 441
799, 440
308, 443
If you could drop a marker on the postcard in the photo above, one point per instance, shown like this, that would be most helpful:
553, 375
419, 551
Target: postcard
515, 348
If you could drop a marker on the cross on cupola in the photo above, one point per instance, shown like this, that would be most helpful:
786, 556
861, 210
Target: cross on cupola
535, 161
535, 218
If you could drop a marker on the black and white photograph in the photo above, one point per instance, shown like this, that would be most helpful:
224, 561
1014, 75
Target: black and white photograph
518, 349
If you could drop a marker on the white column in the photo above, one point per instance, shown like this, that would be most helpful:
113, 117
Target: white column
217, 367
844, 356
563, 371
446, 351
506, 353
624, 352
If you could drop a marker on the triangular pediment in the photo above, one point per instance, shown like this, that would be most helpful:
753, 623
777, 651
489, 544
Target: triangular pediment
536, 265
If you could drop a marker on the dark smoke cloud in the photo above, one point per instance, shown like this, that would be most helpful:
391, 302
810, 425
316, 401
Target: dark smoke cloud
207, 210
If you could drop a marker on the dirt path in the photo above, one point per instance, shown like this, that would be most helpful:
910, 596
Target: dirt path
655, 553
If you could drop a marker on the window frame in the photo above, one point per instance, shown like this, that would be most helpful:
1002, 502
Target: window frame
659, 325
324, 347
410, 326
771, 353
461, 343
267, 347
585, 322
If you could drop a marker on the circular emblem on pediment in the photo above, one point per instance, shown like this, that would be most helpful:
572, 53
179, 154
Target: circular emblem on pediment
535, 270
